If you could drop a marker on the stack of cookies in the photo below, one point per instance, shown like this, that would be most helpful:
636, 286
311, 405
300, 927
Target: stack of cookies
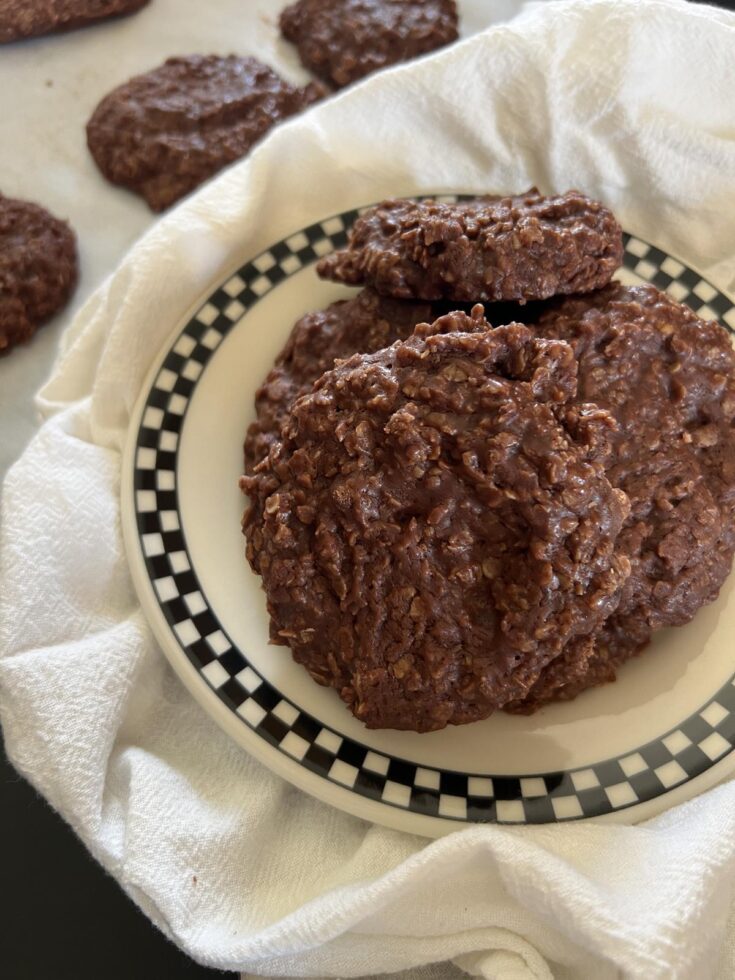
454, 519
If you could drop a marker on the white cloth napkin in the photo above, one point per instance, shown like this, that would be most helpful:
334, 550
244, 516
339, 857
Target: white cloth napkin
631, 101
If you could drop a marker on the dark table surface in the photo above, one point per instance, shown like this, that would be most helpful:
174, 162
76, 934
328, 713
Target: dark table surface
65, 918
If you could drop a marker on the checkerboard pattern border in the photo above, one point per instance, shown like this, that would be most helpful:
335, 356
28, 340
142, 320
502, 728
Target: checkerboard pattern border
548, 797
680, 282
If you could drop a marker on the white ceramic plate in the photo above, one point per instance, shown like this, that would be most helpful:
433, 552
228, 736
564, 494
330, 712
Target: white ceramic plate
662, 733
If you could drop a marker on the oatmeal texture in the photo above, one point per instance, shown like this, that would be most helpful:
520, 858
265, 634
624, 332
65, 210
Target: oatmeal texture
341, 41
30, 18
38, 269
165, 132
512, 248
435, 525
363, 324
668, 378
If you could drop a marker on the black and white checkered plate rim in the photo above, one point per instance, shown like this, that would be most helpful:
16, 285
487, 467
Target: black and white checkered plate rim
614, 784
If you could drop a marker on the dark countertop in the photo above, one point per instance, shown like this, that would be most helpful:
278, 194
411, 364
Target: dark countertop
65, 918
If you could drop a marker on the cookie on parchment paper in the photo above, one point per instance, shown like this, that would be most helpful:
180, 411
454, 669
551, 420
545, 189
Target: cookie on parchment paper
341, 41
31, 18
38, 269
163, 133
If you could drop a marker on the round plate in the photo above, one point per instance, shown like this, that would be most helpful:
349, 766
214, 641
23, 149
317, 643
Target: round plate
663, 732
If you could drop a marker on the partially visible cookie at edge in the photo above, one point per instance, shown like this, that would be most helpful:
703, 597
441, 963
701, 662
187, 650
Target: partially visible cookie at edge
163, 133
31, 18
38, 269
342, 41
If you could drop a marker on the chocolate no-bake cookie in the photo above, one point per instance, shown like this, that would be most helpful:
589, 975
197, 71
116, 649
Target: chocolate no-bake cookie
30, 18
668, 378
163, 133
435, 524
363, 324
512, 248
344, 40
38, 269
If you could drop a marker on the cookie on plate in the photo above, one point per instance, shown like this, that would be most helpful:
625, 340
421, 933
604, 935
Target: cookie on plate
668, 379
30, 18
363, 324
344, 40
521, 248
434, 524
163, 133
38, 269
